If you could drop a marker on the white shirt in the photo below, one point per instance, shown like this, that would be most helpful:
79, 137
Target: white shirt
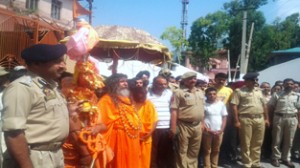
2, 141
162, 106
213, 115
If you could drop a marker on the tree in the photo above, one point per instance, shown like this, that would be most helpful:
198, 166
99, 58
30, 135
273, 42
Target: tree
235, 11
224, 29
226, 26
233, 42
280, 35
206, 34
175, 37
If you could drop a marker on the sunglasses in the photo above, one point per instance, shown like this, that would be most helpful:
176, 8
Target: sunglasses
254, 79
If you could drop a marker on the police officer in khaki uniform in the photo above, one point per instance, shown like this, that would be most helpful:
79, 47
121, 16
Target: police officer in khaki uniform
250, 115
187, 113
35, 116
285, 107
3, 83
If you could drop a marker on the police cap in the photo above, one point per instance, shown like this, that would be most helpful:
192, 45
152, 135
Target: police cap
165, 72
250, 75
43, 52
188, 75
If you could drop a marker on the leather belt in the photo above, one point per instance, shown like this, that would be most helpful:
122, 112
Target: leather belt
286, 115
252, 116
46, 146
190, 123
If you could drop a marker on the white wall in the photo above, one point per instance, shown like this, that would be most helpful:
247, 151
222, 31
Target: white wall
65, 13
281, 71
44, 9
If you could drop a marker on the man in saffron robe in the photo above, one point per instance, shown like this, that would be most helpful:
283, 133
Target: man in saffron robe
123, 123
148, 114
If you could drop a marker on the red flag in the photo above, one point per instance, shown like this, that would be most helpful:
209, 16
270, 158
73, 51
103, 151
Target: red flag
79, 10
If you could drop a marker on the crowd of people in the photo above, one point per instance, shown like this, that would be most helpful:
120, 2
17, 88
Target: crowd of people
181, 122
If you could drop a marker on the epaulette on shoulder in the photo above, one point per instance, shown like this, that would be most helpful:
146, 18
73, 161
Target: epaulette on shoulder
26, 80
296, 93
238, 89
199, 90
178, 90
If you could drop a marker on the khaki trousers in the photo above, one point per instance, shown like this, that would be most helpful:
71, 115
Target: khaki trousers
187, 145
251, 134
40, 159
283, 129
211, 149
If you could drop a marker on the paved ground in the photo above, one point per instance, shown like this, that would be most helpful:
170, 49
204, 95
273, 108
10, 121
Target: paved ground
265, 163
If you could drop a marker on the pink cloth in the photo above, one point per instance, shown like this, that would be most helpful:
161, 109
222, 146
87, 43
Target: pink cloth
82, 42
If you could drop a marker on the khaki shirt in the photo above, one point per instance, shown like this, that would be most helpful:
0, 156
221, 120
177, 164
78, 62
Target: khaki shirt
173, 86
248, 101
189, 103
285, 103
37, 107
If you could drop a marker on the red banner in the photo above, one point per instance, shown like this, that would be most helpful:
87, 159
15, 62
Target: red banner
79, 10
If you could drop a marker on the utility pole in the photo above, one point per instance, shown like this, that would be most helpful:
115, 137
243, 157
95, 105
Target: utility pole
249, 46
90, 2
90, 9
237, 67
229, 67
184, 22
243, 69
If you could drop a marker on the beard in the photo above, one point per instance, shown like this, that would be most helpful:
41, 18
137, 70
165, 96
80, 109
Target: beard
288, 88
123, 92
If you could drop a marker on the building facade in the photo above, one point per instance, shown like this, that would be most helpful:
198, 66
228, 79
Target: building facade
27, 22
281, 56
53, 11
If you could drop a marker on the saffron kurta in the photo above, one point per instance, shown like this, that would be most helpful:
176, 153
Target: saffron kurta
71, 149
122, 135
149, 117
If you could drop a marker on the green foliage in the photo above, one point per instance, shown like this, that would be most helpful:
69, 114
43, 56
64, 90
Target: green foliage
280, 35
225, 27
175, 37
206, 34
233, 43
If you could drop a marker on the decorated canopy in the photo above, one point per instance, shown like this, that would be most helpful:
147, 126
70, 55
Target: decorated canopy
127, 43
116, 43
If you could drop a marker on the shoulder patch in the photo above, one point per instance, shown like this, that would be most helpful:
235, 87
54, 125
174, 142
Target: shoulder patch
25, 81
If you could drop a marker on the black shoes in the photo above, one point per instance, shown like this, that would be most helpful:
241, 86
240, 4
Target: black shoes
288, 164
275, 163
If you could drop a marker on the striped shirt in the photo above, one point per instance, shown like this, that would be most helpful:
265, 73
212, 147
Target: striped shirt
162, 106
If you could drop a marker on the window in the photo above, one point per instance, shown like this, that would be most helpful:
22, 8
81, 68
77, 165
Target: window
55, 9
32, 4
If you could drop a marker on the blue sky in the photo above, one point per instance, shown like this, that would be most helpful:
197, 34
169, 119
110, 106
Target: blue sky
154, 16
